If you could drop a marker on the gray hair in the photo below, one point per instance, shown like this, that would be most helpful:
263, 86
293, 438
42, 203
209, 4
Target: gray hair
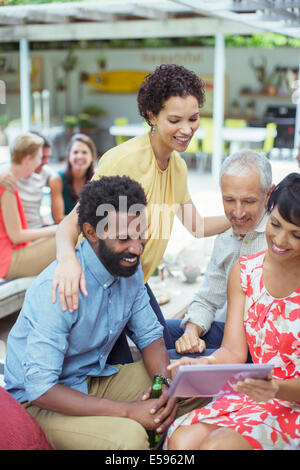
243, 162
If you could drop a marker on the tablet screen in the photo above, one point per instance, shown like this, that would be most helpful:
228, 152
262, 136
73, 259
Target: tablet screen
211, 380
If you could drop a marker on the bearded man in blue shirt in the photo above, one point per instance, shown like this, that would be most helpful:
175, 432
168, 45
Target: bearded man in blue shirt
56, 362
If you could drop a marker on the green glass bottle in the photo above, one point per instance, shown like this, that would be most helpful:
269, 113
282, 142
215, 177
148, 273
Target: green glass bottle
156, 392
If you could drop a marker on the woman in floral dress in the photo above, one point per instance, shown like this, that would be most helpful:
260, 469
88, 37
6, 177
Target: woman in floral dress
257, 414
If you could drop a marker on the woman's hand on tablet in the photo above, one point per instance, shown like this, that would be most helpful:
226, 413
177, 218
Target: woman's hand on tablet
183, 361
258, 390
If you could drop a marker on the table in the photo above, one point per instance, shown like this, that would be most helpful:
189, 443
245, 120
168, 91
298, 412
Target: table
237, 136
128, 130
180, 293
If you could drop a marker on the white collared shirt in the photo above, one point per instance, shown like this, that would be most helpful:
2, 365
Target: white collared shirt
210, 301
31, 194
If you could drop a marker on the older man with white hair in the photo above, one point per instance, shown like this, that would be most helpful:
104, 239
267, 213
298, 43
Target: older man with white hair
246, 184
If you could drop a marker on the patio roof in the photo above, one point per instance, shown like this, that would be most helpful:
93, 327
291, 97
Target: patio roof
109, 19
135, 19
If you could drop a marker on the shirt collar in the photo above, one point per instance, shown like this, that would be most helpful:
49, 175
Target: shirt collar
95, 265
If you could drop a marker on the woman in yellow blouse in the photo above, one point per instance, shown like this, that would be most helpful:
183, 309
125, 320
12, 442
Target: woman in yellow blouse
169, 100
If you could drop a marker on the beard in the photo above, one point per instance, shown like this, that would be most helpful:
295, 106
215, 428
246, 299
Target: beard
112, 260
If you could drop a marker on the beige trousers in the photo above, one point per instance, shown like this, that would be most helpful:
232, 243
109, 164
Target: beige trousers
104, 432
32, 259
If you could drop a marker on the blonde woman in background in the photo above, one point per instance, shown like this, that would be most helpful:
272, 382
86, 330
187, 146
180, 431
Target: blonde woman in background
24, 251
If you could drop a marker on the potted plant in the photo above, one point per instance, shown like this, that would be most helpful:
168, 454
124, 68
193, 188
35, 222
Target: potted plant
70, 62
270, 84
70, 122
84, 76
60, 84
95, 111
101, 61
68, 65
250, 107
273, 82
235, 107
84, 122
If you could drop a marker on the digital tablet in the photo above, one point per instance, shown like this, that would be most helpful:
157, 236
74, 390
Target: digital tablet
210, 380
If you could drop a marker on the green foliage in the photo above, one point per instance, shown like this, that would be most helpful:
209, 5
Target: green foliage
262, 40
84, 120
70, 62
293, 42
94, 111
266, 40
70, 121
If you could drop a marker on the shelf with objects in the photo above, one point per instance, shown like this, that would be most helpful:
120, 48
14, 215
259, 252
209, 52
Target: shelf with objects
275, 88
261, 94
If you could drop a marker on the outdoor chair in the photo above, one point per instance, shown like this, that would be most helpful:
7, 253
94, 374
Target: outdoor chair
192, 154
206, 143
120, 121
269, 140
233, 123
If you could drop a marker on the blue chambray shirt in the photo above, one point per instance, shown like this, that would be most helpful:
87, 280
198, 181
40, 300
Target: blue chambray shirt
47, 346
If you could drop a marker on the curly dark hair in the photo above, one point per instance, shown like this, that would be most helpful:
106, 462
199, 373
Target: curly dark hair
107, 190
286, 196
168, 80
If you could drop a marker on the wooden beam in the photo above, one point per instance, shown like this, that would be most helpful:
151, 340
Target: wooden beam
46, 17
286, 28
148, 12
11, 20
92, 14
180, 27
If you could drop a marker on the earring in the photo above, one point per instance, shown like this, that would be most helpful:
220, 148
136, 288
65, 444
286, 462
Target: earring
152, 129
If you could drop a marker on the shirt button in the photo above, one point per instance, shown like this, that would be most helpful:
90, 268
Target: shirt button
110, 332
105, 286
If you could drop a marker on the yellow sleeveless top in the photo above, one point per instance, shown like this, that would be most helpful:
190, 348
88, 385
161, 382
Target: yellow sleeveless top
165, 190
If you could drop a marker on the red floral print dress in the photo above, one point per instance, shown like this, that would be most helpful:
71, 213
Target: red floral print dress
273, 334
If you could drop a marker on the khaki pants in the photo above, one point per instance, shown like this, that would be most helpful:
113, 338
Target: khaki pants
104, 432
32, 259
